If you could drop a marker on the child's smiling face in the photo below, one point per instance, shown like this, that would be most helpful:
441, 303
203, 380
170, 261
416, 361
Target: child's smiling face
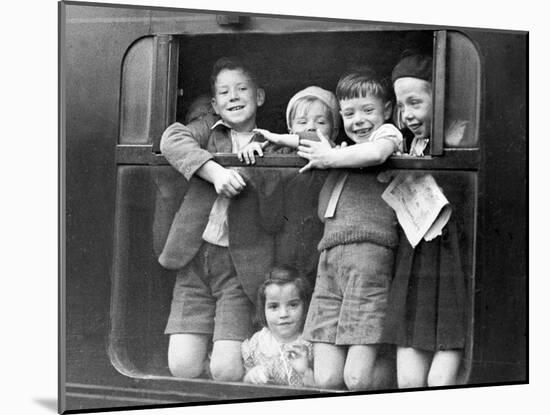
284, 311
364, 115
236, 99
311, 117
414, 101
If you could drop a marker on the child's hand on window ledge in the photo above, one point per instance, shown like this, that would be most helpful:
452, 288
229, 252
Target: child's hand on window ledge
257, 375
248, 154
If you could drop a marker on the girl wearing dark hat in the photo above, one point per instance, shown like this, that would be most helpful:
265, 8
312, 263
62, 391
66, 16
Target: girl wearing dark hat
412, 80
426, 317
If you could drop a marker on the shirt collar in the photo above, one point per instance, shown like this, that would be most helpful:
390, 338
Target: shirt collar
418, 146
221, 122
218, 123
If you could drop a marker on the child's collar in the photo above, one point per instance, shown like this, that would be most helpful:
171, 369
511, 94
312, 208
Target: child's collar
218, 123
418, 145
221, 122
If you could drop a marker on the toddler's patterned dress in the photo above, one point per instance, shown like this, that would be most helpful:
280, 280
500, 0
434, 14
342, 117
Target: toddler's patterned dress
263, 349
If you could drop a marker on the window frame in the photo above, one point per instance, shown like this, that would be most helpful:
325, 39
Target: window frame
163, 104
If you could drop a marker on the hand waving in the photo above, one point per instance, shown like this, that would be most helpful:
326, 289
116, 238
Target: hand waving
316, 152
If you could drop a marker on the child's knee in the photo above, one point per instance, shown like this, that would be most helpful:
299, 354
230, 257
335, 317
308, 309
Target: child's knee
356, 381
183, 366
328, 380
441, 378
381, 376
186, 355
444, 368
227, 370
226, 362
410, 380
412, 367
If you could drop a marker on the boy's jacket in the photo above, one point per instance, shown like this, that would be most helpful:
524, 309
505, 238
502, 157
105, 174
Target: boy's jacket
254, 215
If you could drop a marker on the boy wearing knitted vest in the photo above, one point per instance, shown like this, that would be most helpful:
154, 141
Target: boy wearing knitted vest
348, 306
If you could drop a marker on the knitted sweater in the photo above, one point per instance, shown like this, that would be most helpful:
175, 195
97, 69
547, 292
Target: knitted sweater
361, 214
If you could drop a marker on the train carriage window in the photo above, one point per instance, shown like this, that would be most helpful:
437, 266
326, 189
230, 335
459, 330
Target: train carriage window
149, 191
286, 63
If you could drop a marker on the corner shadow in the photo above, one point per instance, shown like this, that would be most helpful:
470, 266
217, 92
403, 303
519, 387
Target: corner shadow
47, 403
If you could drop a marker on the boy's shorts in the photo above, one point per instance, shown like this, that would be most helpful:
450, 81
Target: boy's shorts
209, 299
349, 301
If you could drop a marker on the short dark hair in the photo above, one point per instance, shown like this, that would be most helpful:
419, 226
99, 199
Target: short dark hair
231, 63
281, 275
361, 82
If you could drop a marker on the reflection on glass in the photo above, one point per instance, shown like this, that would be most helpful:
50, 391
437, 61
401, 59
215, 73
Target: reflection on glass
462, 97
137, 75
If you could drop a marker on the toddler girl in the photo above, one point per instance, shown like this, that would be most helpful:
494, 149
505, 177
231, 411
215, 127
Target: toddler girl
278, 354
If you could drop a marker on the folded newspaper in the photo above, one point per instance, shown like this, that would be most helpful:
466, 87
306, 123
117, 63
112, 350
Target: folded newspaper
421, 207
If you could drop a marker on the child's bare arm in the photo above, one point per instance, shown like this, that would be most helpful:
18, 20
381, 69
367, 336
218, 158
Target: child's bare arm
322, 155
287, 140
360, 155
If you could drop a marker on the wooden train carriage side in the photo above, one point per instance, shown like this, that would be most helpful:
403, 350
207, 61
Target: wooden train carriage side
116, 183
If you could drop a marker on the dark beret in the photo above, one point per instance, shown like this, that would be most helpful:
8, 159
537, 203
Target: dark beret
413, 66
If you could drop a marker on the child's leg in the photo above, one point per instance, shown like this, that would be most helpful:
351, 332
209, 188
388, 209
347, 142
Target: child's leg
328, 366
233, 317
412, 367
360, 371
444, 368
187, 354
191, 321
226, 363
322, 323
368, 269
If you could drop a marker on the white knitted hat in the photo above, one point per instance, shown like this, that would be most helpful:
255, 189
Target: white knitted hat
326, 97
